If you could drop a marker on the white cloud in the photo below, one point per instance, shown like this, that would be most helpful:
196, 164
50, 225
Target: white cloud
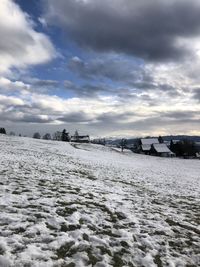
7, 85
105, 115
8, 101
20, 44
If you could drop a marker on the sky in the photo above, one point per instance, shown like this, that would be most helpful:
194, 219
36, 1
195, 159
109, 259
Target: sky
106, 68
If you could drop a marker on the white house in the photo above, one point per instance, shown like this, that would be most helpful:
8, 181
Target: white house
146, 143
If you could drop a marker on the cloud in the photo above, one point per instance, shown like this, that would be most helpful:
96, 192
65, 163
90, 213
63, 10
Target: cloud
144, 92
154, 30
112, 68
76, 117
20, 44
42, 86
180, 115
43, 83
36, 119
109, 93
28, 84
117, 75
97, 116
18, 116
115, 117
10, 101
196, 94
88, 90
7, 85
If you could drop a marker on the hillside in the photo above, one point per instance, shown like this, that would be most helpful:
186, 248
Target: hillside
89, 205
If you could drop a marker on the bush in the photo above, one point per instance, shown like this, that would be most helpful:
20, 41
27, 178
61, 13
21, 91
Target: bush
184, 148
2, 131
47, 136
36, 136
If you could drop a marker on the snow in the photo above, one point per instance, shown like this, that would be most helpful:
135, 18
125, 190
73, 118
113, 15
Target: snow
149, 141
90, 205
161, 148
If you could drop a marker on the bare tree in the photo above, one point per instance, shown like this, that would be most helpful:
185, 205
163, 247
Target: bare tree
57, 136
123, 144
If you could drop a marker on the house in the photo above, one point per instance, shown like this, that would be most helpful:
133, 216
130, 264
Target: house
167, 143
145, 145
161, 150
80, 138
198, 155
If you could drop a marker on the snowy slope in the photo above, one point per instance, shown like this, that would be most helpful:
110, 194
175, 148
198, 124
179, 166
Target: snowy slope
88, 205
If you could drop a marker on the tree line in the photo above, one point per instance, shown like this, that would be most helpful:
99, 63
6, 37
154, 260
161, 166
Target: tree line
184, 148
59, 136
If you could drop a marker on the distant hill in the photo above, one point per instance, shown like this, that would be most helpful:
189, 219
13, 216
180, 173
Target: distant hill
181, 137
116, 142
130, 141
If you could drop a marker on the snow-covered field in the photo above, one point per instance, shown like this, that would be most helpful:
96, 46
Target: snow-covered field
88, 205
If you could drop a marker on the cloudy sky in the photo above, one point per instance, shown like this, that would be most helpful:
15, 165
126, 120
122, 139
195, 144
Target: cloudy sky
106, 68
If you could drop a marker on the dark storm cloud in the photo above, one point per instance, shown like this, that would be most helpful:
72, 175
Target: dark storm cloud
145, 28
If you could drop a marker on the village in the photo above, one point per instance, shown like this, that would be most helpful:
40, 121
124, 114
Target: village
152, 146
149, 146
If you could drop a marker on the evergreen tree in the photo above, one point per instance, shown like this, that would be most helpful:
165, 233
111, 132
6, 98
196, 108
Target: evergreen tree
160, 139
171, 145
76, 135
65, 136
